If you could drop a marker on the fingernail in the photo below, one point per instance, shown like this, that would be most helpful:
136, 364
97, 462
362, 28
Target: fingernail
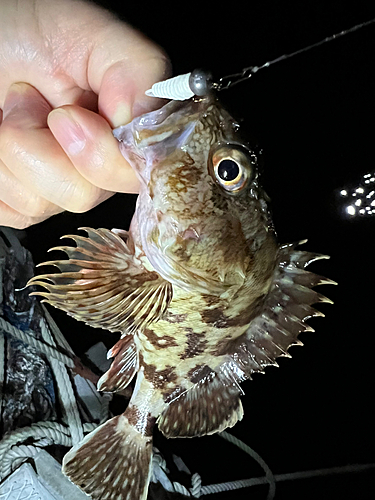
67, 131
122, 115
12, 99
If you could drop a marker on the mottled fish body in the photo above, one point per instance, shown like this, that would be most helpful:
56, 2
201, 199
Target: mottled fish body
199, 288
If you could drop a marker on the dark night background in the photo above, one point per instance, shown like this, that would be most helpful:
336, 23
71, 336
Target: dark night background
313, 116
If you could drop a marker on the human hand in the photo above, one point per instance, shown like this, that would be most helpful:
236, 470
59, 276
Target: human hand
69, 71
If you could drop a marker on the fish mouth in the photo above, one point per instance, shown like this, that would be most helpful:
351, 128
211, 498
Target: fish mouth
171, 116
149, 139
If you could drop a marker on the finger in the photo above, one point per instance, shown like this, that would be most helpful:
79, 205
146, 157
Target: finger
88, 141
13, 218
122, 92
122, 66
32, 154
14, 194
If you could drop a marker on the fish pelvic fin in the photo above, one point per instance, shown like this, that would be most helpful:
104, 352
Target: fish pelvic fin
123, 367
104, 284
211, 405
112, 462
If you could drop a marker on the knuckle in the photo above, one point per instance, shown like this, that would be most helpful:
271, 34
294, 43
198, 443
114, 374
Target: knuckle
81, 204
16, 221
10, 136
22, 224
33, 208
83, 198
28, 221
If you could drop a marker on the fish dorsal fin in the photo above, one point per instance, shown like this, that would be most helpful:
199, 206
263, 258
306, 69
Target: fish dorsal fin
104, 284
210, 406
123, 368
213, 403
286, 307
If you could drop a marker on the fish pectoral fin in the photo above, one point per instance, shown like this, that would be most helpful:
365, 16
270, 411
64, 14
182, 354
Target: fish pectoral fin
211, 405
112, 462
123, 368
104, 284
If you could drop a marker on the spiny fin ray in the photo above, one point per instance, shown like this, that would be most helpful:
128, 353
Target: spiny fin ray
287, 306
210, 406
123, 367
104, 284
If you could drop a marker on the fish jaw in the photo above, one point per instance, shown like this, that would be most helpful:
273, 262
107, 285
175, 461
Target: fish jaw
148, 139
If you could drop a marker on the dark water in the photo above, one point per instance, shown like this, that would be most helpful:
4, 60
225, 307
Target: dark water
314, 117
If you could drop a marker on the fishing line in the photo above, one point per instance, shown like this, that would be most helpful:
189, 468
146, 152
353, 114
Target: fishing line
200, 83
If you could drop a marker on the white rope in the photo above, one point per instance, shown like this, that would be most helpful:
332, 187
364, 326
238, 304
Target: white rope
244, 447
56, 332
106, 398
28, 338
65, 389
12, 449
180, 488
196, 485
16, 456
2, 367
57, 361
197, 490
44, 434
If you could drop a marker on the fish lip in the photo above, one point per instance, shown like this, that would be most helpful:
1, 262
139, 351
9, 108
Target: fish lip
159, 116
144, 141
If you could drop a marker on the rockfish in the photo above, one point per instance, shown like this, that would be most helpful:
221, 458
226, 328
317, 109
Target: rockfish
199, 288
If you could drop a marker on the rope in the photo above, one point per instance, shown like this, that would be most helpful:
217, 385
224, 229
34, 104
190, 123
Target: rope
56, 332
65, 389
57, 361
12, 451
16, 456
47, 433
180, 488
244, 447
306, 474
2, 367
106, 398
28, 338
44, 433
197, 490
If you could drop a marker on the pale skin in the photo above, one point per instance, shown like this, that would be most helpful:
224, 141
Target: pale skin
69, 72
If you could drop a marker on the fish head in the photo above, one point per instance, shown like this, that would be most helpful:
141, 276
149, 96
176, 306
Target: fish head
201, 215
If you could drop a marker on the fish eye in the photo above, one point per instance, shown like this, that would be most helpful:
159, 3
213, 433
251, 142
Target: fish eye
232, 167
228, 170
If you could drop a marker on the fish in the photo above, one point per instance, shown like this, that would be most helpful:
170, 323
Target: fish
199, 289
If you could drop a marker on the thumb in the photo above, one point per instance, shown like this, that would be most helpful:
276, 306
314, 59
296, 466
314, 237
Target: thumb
122, 66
